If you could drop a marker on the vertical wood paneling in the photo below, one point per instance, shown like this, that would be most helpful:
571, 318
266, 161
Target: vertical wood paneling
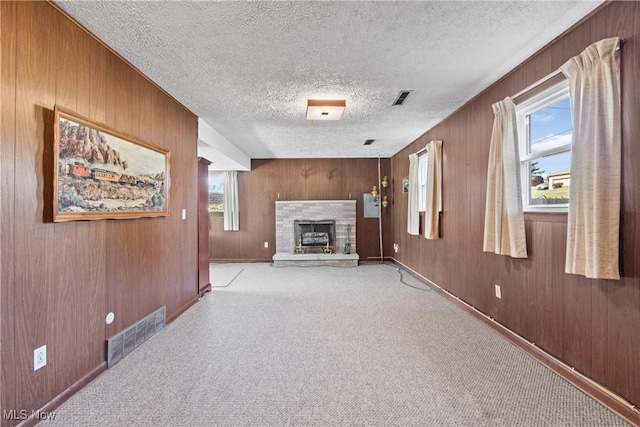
147, 278
162, 252
8, 52
623, 298
121, 284
589, 324
548, 307
34, 285
60, 279
61, 346
620, 301
483, 263
188, 133
577, 317
299, 179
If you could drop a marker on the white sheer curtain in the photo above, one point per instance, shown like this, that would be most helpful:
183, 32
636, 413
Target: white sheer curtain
231, 214
434, 190
504, 232
413, 211
594, 195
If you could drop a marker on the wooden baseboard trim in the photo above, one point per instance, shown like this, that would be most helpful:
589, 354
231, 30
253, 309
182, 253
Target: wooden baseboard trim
238, 260
90, 376
54, 403
203, 290
606, 397
376, 259
181, 310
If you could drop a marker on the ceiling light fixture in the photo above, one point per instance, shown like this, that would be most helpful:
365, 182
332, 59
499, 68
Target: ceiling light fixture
325, 109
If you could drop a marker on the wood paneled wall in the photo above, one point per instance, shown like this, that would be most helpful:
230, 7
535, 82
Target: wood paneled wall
591, 325
299, 179
60, 280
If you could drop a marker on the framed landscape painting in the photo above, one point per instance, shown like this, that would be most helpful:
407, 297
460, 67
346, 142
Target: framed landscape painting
100, 173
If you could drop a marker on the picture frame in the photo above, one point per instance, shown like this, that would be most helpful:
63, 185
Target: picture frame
100, 173
405, 185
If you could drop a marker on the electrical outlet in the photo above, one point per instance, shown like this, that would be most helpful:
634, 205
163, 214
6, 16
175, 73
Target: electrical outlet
184, 214
498, 292
266, 244
395, 247
39, 357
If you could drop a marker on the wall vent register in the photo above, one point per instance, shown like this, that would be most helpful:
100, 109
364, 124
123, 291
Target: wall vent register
124, 342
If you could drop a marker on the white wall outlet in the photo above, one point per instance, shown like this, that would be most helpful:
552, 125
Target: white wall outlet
498, 291
266, 244
395, 247
39, 357
184, 214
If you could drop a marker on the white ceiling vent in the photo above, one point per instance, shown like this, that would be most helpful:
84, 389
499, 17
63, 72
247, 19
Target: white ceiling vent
402, 96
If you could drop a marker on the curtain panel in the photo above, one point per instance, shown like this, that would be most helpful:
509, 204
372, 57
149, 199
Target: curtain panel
230, 212
593, 222
504, 232
413, 211
434, 190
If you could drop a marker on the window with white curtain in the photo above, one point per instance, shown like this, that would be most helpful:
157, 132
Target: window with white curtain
216, 191
544, 132
422, 182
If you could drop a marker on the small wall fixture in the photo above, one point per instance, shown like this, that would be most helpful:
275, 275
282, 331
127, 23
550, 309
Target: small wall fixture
375, 193
325, 109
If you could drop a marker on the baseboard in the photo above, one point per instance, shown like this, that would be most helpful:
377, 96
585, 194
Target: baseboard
376, 259
54, 403
181, 310
592, 388
238, 260
203, 290
75, 387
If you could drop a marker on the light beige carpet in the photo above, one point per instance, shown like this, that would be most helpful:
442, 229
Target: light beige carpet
323, 346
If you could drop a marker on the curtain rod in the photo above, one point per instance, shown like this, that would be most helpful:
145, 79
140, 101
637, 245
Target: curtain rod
552, 75
426, 147
422, 149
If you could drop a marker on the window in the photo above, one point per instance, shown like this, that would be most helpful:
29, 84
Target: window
422, 182
544, 133
216, 191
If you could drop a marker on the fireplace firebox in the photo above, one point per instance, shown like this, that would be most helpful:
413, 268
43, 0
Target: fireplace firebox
316, 236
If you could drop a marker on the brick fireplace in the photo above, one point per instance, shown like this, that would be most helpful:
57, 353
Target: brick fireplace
307, 229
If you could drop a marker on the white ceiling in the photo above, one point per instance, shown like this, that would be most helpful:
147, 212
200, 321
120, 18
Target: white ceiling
247, 68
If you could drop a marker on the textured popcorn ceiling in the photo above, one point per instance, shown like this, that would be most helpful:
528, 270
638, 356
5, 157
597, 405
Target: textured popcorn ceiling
247, 68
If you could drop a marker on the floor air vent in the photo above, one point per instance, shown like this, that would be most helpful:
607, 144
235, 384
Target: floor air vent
124, 342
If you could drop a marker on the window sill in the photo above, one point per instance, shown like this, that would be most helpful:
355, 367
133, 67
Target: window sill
558, 215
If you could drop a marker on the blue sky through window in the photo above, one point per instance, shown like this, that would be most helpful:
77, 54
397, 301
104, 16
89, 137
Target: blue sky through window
551, 127
216, 183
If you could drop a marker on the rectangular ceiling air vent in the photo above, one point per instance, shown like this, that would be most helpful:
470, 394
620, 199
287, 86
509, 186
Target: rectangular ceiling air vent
401, 97
369, 141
